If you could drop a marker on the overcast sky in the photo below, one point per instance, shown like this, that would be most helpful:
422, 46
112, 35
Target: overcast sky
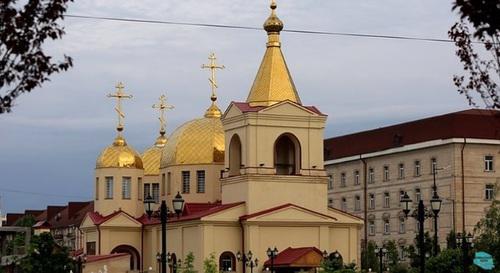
50, 142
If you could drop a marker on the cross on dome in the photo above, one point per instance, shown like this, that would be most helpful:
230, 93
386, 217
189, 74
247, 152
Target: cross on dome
119, 95
162, 106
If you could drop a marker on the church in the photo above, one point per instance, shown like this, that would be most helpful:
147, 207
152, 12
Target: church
252, 178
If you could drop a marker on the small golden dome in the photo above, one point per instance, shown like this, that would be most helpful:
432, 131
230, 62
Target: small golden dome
199, 141
119, 155
151, 157
273, 24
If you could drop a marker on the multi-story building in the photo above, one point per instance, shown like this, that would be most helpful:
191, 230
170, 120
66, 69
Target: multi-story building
369, 172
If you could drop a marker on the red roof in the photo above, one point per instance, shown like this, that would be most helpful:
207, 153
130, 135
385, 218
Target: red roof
246, 107
472, 123
95, 258
41, 225
98, 219
290, 255
262, 212
72, 215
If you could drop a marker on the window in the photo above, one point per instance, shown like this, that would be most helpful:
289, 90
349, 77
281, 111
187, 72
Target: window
387, 226
418, 168
163, 184
227, 262
401, 170
344, 204
489, 192
371, 201
91, 250
169, 183
97, 188
139, 188
185, 181
330, 181
356, 177
401, 195
126, 187
387, 200
433, 165
357, 203
386, 173
418, 195
200, 181
402, 253
147, 190
156, 192
330, 202
417, 226
371, 227
287, 155
109, 187
371, 175
402, 225
342, 180
488, 163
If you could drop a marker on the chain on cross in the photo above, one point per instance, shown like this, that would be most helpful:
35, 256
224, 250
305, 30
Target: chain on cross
162, 106
213, 66
119, 95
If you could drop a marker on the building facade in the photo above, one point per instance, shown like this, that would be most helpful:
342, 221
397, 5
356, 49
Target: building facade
370, 171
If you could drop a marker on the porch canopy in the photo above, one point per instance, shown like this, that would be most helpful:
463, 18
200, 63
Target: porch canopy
301, 257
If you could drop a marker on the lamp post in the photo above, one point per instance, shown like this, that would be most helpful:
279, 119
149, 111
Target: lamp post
247, 260
271, 253
381, 252
465, 240
178, 204
79, 261
436, 207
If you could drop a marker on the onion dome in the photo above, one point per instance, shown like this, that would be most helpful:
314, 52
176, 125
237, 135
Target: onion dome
119, 155
152, 156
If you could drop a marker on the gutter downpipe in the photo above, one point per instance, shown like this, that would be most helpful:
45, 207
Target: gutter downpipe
142, 248
463, 184
242, 245
99, 241
365, 208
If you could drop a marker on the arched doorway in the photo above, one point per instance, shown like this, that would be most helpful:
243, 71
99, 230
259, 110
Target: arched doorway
227, 262
135, 257
287, 155
234, 156
173, 263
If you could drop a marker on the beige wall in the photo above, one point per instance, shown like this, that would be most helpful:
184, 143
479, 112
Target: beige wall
118, 264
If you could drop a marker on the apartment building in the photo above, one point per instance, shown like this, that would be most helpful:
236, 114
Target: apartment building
369, 172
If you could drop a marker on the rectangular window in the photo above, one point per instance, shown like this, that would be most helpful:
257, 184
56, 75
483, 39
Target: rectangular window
401, 195
126, 187
387, 200
356, 177
169, 183
386, 173
488, 163
371, 201
200, 181
433, 165
97, 188
371, 175
109, 187
156, 192
91, 250
402, 225
344, 204
401, 171
387, 226
330, 202
357, 203
147, 190
489, 192
163, 184
185, 181
402, 253
371, 227
330, 182
418, 168
139, 188
418, 195
342, 180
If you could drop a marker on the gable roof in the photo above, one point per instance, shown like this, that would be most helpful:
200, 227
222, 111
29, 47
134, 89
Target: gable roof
277, 208
472, 123
245, 107
290, 256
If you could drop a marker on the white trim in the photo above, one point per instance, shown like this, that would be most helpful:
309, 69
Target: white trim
411, 147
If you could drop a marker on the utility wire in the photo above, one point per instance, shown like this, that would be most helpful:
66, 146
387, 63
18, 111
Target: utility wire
362, 35
42, 194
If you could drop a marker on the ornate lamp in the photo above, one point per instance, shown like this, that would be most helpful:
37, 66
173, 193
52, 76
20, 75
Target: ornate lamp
406, 202
178, 204
436, 203
148, 205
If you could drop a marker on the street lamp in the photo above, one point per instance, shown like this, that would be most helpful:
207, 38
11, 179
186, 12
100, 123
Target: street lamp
247, 261
80, 261
178, 204
381, 252
436, 207
271, 253
465, 240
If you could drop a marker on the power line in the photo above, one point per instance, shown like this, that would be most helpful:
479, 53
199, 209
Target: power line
42, 194
359, 35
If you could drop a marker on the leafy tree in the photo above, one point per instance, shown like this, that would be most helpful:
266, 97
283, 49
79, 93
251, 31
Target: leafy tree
413, 252
392, 253
19, 240
451, 240
210, 264
487, 232
399, 268
447, 261
369, 258
44, 255
24, 29
188, 264
482, 76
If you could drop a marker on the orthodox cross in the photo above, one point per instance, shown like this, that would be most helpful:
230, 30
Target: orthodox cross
162, 106
119, 95
213, 80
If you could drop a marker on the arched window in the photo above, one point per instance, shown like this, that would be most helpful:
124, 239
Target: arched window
173, 263
134, 255
227, 262
234, 156
287, 155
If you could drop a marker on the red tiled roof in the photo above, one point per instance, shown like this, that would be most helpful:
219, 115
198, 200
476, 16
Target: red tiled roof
290, 255
98, 219
245, 107
262, 212
41, 225
72, 215
12, 218
472, 123
191, 208
95, 258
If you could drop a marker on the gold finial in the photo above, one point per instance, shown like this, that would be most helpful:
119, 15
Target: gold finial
273, 24
162, 106
119, 95
213, 110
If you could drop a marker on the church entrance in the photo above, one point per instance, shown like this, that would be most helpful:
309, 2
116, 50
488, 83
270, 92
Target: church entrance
135, 258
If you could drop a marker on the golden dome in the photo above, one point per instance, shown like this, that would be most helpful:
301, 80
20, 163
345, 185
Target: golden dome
119, 155
199, 141
152, 156
273, 23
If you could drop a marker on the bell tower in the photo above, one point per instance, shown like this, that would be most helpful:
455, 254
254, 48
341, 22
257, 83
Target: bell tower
274, 144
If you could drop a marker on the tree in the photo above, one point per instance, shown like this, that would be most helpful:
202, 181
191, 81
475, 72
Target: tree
44, 255
369, 258
210, 265
487, 232
392, 253
451, 240
188, 264
24, 29
482, 76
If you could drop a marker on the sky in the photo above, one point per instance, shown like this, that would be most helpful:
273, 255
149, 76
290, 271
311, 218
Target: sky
49, 143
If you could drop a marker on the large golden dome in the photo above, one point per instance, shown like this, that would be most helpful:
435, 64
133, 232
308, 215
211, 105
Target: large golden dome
152, 156
199, 141
119, 155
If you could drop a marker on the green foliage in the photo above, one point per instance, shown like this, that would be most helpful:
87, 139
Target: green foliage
392, 253
448, 261
399, 268
345, 270
45, 256
451, 240
210, 264
487, 232
369, 258
188, 264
